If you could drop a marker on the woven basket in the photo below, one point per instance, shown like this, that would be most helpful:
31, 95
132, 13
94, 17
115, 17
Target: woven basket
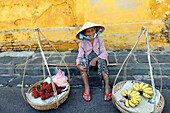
116, 87
51, 105
58, 101
123, 109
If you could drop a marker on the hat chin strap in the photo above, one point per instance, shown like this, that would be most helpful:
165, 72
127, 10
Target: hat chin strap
81, 36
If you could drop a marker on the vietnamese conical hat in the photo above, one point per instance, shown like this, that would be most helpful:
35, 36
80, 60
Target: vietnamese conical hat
89, 25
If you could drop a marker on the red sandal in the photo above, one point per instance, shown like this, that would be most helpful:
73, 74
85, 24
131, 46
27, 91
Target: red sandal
86, 95
108, 96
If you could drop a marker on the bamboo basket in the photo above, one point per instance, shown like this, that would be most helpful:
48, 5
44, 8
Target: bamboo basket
51, 105
123, 109
116, 87
58, 101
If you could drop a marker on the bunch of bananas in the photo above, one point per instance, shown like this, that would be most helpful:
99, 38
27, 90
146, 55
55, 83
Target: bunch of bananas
143, 89
132, 98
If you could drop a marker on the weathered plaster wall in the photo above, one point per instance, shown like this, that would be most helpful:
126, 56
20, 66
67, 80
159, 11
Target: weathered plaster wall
123, 20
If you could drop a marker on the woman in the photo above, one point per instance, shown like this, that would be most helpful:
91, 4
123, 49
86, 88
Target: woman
92, 53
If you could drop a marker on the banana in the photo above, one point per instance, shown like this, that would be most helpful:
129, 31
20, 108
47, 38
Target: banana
137, 85
135, 97
149, 92
131, 104
127, 103
129, 91
135, 101
141, 85
135, 88
147, 96
145, 86
147, 89
135, 94
138, 99
123, 93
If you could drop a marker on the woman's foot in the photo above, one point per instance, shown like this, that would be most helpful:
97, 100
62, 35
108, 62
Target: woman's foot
86, 95
108, 95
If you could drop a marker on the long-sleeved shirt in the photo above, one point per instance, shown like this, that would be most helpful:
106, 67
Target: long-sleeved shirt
85, 48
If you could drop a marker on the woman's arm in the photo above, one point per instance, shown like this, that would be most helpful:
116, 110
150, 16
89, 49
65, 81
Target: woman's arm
103, 53
93, 61
80, 54
81, 68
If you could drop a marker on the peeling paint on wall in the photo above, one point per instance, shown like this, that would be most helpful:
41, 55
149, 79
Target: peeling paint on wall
128, 4
93, 2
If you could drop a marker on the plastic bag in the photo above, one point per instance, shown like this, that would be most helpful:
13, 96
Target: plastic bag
60, 79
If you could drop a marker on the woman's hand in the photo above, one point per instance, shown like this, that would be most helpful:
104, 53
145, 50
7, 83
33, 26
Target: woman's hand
81, 68
93, 61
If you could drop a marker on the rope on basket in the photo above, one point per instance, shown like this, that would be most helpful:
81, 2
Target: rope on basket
43, 56
154, 57
59, 55
141, 33
22, 88
143, 30
26, 67
150, 66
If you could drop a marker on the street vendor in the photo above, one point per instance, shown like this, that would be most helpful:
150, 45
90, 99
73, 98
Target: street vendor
92, 53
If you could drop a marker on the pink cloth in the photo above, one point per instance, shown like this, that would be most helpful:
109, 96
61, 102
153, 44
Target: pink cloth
60, 79
85, 48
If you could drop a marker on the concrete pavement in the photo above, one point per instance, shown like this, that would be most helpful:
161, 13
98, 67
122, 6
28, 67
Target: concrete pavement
12, 67
12, 102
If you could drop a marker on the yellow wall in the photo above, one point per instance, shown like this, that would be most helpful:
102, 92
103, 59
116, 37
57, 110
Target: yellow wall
122, 19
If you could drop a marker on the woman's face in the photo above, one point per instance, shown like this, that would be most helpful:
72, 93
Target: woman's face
90, 32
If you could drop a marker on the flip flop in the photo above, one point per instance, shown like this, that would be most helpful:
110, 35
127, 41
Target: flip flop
108, 95
86, 95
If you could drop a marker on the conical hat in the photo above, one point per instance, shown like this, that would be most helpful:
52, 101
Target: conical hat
88, 25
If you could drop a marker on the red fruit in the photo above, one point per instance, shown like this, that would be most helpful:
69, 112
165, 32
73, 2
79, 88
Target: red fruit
49, 90
41, 89
51, 94
41, 83
35, 96
58, 91
35, 92
48, 87
39, 94
33, 89
47, 95
44, 87
42, 93
45, 83
43, 97
38, 86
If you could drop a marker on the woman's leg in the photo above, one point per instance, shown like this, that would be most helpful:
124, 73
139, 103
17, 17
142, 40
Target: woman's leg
86, 84
106, 81
103, 72
108, 93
